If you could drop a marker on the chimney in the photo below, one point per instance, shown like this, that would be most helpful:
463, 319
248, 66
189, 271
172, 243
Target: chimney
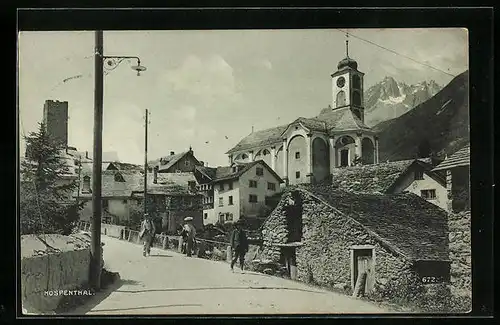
172, 153
202, 163
87, 154
155, 175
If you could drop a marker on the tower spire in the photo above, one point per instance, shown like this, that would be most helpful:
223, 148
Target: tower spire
347, 44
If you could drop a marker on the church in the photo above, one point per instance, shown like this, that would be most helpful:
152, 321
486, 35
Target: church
308, 149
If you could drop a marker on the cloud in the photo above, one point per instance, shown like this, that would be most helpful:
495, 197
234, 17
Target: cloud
265, 63
201, 80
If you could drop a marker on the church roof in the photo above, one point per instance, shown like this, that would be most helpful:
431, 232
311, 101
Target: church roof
260, 138
333, 121
347, 63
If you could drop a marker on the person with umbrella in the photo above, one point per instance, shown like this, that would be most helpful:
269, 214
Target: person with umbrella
239, 244
190, 232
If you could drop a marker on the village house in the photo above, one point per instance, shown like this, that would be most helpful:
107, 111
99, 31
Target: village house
415, 176
309, 149
241, 190
121, 191
176, 163
205, 175
457, 168
350, 240
175, 197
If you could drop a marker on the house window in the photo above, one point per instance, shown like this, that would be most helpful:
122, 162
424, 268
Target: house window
235, 169
252, 198
105, 204
297, 174
297, 155
230, 185
253, 184
221, 201
229, 216
86, 185
428, 194
221, 187
186, 163
419, 175
259, 171
267, 201
271, 186
205, 216
124, 201
231, 200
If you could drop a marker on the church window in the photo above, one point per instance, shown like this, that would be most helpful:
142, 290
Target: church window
357, 113
356, 98
341, 98
265, 152
297, 155
356, 82
419, 175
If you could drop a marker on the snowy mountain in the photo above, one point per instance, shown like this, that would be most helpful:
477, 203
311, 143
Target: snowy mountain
442, 122
390, 99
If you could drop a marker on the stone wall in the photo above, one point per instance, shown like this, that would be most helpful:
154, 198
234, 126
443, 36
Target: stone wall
274, 230
328, 235
325, 257
66, 268
460, 252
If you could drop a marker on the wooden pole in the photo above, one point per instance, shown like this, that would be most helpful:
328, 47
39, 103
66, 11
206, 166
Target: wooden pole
95, 274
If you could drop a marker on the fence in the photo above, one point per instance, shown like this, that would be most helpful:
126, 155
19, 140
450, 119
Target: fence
203, 247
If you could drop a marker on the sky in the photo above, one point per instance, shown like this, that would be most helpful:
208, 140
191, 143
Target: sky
207, 89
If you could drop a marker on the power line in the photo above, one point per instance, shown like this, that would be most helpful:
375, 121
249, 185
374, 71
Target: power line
394, 52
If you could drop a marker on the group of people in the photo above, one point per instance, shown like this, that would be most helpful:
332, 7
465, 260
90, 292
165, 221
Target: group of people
238, 239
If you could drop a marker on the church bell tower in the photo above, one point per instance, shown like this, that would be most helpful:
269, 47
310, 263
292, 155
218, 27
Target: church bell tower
347, 86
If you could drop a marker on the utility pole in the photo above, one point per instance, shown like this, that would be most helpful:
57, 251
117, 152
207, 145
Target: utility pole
96, 256
146, 163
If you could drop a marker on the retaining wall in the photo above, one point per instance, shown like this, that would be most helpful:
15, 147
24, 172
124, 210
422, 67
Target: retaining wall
44, 272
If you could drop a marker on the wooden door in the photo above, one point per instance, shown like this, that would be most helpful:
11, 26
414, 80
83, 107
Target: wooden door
344, 158
364, 265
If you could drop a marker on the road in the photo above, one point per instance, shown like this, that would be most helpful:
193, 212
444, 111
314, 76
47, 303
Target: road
169, 283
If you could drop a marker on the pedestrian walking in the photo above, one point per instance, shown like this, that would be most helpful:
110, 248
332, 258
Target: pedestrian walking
146, 234
239, 245
190, 232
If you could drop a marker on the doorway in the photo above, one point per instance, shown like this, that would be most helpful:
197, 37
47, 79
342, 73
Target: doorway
362, 269
344, 157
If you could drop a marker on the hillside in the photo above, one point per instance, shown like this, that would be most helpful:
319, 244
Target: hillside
442, 122
390, 99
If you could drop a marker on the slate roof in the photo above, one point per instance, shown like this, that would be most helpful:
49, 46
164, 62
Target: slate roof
374, 178
260, 138
405, 223
124, 166
209, 172
458, 159
227, 173
330, 122
168, 183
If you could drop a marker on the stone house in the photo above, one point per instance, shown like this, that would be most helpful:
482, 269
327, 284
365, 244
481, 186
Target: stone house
457, 168
307, 150
331, 237
241, 190
415, 176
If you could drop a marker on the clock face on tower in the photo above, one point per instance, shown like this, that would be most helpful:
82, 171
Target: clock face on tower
340, 82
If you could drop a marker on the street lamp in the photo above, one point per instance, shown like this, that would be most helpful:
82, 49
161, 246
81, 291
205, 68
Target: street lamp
112, 62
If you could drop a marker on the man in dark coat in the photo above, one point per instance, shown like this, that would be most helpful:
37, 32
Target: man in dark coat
239, 245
